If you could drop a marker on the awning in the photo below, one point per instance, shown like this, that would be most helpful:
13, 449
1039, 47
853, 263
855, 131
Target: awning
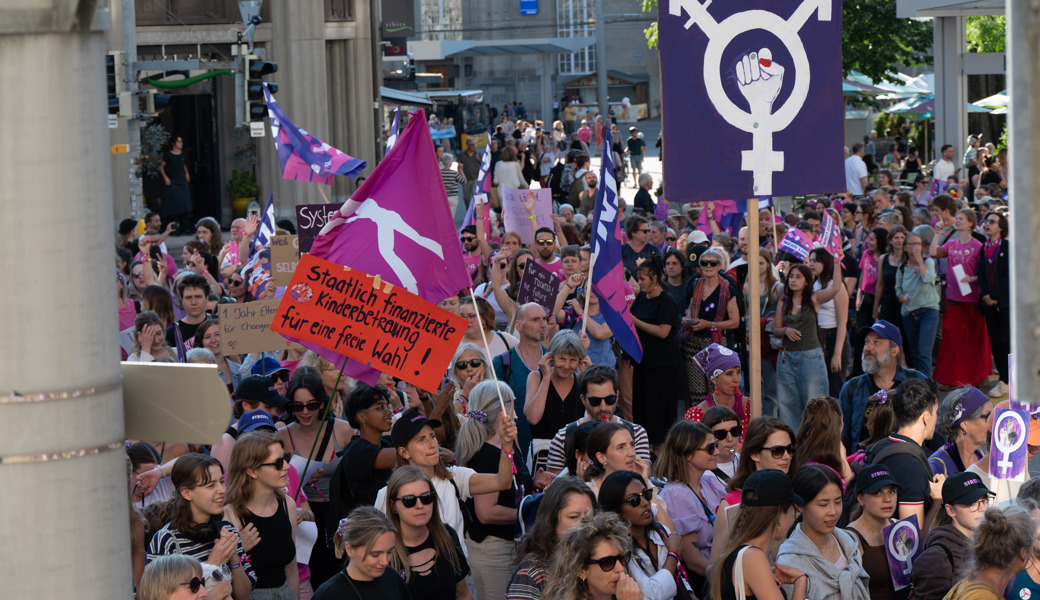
441, 49
948, 8
614, 79
403, 97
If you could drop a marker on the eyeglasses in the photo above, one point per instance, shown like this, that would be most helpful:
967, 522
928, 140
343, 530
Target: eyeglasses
472, 363
595, 401
991, 222
778, 451
382, 407
709, 263
309, 407
221, 574
647, 230
468, 239
607, 563
711, 448
426, 498
980, 504
280, 463
634, 500
546, 242
236, 282
194, 584
720, 434
279, 376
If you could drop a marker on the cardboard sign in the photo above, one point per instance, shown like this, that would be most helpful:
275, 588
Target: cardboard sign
1007, 453
539, 285
515, 216
174, 401
373, 322
903, 545
246, 328
310, 218
285, 253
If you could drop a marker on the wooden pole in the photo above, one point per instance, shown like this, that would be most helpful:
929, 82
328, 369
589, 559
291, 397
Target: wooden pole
588, 292
487, 348
755, 311
322, 190
772, 219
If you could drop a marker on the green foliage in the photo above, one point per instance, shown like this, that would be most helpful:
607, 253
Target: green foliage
874, 41
1003, 143
651, 31
242, 185
153, 138
987, 34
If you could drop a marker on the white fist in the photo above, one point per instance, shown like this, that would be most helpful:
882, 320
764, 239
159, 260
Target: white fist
760, 80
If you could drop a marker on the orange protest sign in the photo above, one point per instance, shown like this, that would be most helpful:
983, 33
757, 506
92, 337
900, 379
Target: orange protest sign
372, 322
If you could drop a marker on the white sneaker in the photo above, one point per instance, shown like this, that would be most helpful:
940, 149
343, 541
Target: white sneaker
999, 390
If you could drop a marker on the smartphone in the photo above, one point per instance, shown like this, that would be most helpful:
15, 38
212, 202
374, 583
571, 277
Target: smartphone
155, 252
175, 227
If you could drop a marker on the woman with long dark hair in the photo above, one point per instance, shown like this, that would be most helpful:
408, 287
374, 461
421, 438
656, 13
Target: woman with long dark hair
995, 294
801, 371
866, 221
176, 205
819, 438
833, 320
208, 336
886, 303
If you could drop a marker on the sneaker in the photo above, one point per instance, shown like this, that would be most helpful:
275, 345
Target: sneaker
999, 390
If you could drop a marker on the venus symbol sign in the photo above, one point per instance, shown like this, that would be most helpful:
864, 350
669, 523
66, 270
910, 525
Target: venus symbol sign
758, 76
1008, 452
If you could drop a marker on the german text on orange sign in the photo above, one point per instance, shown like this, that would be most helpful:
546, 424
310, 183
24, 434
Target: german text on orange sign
373, 322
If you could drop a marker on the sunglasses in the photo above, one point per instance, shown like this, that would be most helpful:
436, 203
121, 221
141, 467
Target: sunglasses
221, 574
468, 239
594, 401
280, 463
472, 363
709, 263
778, 451
426, 498
711, 448
279, 376
138, 275
194, 584
546, 242
634, 500
236, 282
607, 563
309, 407
642, 231
669, 239
720, 434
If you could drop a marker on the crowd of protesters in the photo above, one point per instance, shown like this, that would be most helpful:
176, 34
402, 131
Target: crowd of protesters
552, 464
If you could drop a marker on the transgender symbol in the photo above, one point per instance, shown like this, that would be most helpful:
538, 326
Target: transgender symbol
759, 78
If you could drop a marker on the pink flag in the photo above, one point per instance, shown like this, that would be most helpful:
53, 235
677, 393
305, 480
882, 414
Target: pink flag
830, 236
398, 225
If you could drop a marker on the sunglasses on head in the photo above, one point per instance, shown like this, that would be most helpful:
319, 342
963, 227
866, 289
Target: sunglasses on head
607, 563
300, 407
546, 242
594, 401
720, 434
194, 584
709, 263
472, 363
426, 498
278, 464
634, 500
778, 451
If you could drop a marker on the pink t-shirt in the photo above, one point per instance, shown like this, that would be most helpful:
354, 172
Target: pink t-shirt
556, 267
584, 134
868, 265
472, 264
967, 256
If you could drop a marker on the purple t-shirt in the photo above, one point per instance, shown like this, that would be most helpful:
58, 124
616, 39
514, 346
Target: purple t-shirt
967, 256
687, 512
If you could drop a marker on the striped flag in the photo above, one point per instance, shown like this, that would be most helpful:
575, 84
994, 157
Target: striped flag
395, 128
483, 181
266, 229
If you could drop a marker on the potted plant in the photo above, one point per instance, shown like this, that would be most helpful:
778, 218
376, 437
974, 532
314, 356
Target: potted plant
243, 189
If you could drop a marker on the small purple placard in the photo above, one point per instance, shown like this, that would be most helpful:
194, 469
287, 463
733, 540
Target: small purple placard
1007, 452
902, 547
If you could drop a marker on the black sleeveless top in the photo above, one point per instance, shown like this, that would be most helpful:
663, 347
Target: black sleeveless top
276, 548
728, 591
558, 411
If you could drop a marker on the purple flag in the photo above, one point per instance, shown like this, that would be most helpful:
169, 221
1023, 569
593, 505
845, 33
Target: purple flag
796, 242
729, 215
395, 129
902, 547
938, 186
830, 236
1007, 457
483, 183
304, 157
606, 271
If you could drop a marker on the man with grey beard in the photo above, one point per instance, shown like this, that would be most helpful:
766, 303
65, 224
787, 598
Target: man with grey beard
882, 371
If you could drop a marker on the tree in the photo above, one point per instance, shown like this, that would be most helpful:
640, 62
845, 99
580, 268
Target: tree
873, 40
987, 34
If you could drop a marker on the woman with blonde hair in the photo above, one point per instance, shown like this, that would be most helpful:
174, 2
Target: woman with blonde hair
366, 536
256, 478
173, 577
427, 553
1000, 547
590, 563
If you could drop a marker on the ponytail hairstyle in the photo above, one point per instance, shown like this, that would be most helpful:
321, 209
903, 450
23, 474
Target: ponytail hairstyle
361, 529
819, 436
598, 443
652, 267
810, 481
438, 533
1000, 538
481, 426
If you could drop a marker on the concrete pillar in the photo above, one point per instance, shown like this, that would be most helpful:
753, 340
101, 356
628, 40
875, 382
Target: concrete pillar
64, 511
951, 98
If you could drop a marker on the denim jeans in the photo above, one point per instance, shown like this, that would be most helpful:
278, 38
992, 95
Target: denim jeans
800, 376
921, 326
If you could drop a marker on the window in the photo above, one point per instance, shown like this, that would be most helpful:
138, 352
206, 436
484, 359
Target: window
576, 18
441, 20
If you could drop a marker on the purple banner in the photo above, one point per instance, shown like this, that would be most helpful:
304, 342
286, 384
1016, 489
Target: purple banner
539, 285
830, 236
755, 79
310, 218
1007, 453
902, 547
797, 243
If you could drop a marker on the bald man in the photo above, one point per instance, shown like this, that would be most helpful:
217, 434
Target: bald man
514, 366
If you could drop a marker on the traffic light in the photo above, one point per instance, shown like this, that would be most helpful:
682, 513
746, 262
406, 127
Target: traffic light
255, 70
155, 102
114, 80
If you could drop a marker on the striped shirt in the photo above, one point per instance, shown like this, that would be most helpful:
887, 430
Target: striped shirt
528, 582
168, 541
452, 179
557, 455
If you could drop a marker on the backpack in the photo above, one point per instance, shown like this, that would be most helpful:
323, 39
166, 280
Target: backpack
555, 180
849, 500
506, 369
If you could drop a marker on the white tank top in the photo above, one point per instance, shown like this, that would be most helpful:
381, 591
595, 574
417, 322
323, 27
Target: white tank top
827, 318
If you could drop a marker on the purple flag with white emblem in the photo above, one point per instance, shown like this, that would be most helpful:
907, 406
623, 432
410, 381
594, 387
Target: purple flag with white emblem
304, 157
903, 545
606, 271
796, 242
1008, 443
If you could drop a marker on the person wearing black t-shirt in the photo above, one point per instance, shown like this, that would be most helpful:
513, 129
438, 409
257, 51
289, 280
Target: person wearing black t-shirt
915, 404
370, 457
192, 291
367, 537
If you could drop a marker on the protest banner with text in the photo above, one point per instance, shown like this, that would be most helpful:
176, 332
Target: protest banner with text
285, 253
246, 328
310, 218
514, 213
371, 321
538, 285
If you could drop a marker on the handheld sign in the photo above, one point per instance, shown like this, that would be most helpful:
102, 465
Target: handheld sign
1007, 454
515, 216
285, 253
310, 218
246, 328
373, 322
539, 285
830, 236
902, 547
797, 243
938, 187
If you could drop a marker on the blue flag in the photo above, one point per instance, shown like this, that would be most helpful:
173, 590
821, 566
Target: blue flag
395, 129
266, 229
606, 271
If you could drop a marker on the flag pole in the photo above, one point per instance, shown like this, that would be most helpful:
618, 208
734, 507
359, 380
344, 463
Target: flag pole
324, 419
487, 348
772, 214
322, 190
588, 292
755, 313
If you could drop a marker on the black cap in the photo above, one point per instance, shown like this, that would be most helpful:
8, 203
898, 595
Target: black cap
872, 478
126, 226
257, 388
408, 425
769, 487
964, 488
